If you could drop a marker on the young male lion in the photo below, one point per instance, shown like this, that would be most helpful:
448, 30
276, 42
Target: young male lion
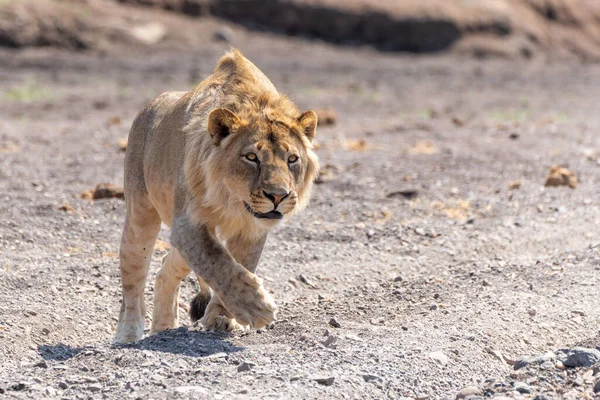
221, 165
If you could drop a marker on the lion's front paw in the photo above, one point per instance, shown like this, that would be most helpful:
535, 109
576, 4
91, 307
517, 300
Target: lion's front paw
248, 301
220, 323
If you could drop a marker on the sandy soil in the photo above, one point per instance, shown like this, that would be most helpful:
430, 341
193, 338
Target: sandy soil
438, 272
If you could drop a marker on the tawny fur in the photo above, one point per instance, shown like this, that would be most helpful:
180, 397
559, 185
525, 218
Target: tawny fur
185, 167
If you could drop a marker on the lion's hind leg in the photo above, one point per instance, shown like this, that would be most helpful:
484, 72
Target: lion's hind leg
142, 224
166, 291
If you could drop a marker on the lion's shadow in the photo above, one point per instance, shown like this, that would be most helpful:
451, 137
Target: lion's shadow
183, 341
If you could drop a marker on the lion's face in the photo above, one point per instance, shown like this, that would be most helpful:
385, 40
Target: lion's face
267, 167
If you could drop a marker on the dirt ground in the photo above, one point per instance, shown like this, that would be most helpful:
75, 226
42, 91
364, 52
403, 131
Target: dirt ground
431, 239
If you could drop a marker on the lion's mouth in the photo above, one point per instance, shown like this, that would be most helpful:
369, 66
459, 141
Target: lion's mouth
270, 215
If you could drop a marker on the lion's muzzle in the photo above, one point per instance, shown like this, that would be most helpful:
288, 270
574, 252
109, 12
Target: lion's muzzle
268, 215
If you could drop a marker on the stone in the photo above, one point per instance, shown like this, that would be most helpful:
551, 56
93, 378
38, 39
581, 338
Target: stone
150, 33
333, 322
560, 176
330, 341
597, 386
581, 357
224, 34
525, 361
369, 378
246, 366
94, 388
522, 387
326, 116
324, 381
306, 280
468, 391
439, 357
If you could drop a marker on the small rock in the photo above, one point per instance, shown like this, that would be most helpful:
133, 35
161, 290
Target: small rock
497, 354
522, 362
333, 322
581, 357
330, 341
94, 388
103, 191
246, 366
522, 387
304, 279
597, 386
532, 312
150, 33
63, 385
578, 312
398, 279
41, 364
369, 378
326, 116
324, 381
408, 194
486, 283
514, 185
224, 34
122, 144
560, 176
439, 357
469, 391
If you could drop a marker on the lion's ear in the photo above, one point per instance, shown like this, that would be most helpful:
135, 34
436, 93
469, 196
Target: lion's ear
308, 123
221, 122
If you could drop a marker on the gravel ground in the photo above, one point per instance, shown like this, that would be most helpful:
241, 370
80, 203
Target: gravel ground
431, 259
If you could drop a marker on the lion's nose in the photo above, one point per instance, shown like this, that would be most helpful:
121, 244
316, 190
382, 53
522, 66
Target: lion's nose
276, 196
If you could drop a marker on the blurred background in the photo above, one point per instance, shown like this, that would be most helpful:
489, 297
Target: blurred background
453, 229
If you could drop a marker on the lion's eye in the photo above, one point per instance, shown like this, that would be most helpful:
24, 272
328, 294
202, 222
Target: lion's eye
292, 159
251, 157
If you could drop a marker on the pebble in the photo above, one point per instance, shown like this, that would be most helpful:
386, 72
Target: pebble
333, 322
224, 34
369, 378
522, 387
469, 391
324, 381
331, 341
532, 312
304, 279
597, 386
581, 357
94, 388
246, 366
522, 362
578, 312
439, 357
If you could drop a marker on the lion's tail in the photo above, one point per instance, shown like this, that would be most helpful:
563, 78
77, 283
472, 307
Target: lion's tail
200, 301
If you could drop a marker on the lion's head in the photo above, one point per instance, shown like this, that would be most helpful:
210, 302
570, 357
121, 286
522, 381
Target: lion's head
265, 158
259, 166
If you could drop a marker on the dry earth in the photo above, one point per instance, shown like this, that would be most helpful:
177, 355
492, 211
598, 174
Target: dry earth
440, 269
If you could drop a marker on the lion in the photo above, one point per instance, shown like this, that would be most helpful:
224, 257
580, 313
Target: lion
221, 165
